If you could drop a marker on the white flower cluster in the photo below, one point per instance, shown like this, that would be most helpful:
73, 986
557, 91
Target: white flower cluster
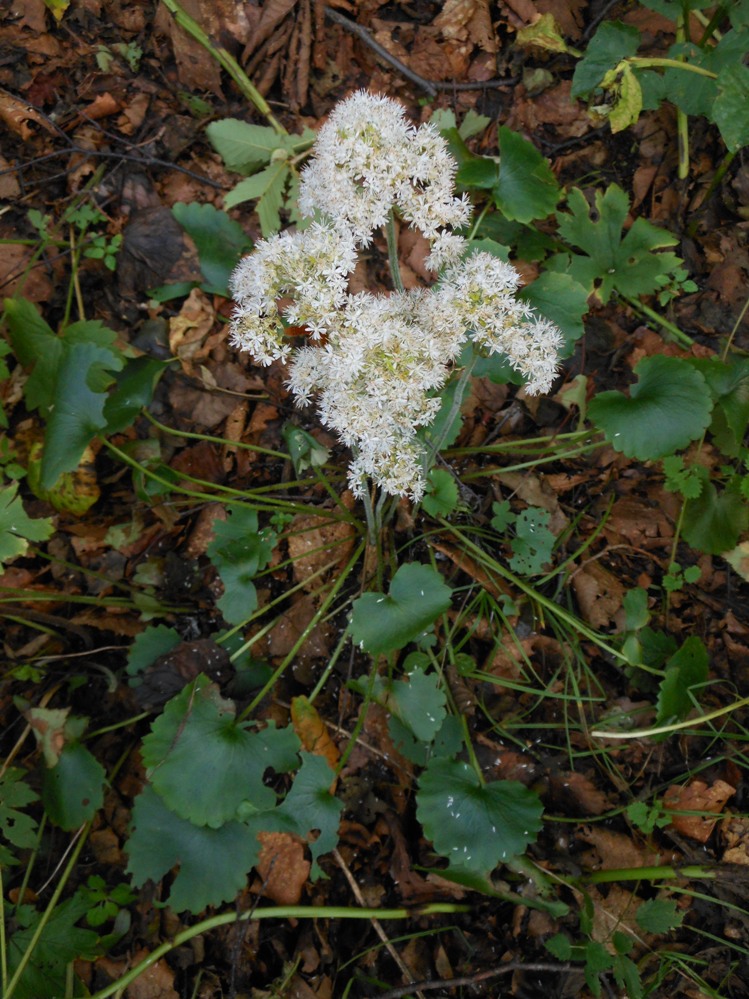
376, 363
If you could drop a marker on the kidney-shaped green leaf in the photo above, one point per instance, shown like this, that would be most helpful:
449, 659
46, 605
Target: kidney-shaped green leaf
669, 406
383, 623
213, 863
475, 825
204, 764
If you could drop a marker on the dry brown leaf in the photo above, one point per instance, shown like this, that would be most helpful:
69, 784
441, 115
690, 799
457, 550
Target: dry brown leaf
9, 187
282, 867
189, 330
18, 115
292, 624
613, 850
734, 834
578, 790
156, 982
467, 20
313, 732
599, 594
697, 796
315, 542
196, 67
613, 912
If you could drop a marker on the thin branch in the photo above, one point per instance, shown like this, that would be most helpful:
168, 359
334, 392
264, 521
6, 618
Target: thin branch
432, 87
105, 154
482, 976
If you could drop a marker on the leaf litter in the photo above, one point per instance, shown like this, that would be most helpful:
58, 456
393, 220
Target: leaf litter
130, 119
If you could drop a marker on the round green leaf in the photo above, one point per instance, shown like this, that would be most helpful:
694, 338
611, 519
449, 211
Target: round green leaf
383, 623
477, 826
213, 863
204, 764
669, 406
713, 521
73, 790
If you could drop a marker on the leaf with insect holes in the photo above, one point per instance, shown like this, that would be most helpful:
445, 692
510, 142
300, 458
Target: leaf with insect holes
17, 529
476, 826
383, 623
213, 863
669, 406
204, 764
239, 551
311, 806
612, 262
16, 826
533, 543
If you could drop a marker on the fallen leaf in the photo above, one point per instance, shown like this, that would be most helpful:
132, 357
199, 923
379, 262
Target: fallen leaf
313, 732
599, 593
697, 796
282, 867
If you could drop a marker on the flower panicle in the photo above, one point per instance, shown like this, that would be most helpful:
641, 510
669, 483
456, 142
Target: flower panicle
375, 364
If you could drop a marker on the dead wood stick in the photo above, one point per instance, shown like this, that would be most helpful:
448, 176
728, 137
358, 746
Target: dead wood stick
432, 87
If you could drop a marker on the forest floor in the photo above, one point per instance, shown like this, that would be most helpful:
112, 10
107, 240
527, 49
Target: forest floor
104, 107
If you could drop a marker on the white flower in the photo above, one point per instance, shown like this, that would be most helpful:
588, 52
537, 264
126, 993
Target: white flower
369, 159
375, 364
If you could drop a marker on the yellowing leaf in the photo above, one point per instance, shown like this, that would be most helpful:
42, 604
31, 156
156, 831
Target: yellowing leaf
57, 8
313, 732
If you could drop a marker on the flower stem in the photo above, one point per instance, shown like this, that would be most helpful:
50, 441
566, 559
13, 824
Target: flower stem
392, 241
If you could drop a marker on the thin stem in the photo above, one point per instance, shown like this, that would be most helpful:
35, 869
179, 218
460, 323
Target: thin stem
276, 912
676, 333
645, 733
80, 836
436, 444
392, 241
656, 62
682, 124
226, 61
289, 658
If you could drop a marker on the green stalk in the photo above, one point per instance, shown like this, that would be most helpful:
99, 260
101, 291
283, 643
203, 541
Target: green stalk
682, 124
646, 733
51, 905
392, 241
653, 873
681, 338
226, 61
656, 62
276, 912
289, 658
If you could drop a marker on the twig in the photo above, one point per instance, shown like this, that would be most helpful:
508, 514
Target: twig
377, 925
482, 976
432, 87
107, 155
